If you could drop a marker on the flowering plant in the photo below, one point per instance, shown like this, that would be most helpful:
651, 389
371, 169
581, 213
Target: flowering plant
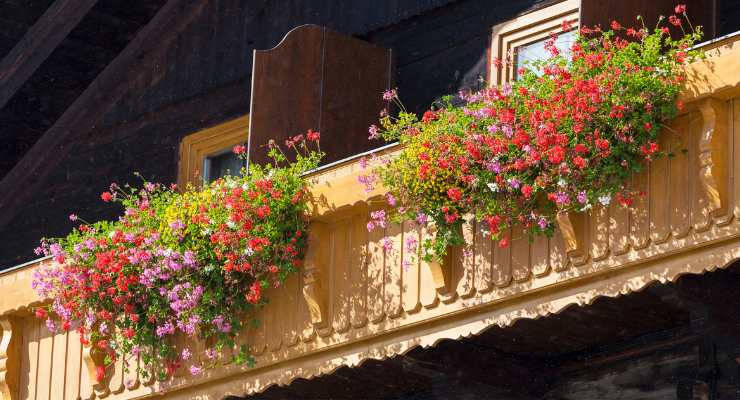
190, 263
567, 134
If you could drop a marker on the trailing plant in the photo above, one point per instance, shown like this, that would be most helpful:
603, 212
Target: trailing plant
566, 135
191, 263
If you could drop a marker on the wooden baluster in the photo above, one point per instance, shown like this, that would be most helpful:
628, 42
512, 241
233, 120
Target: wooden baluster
358, 270
59, 365
431, 276
558, 253
46, 352
599, 232
393, 271
713, 163
375, 274
660, 192
618, 228
483, 261
315, 274
410, 271
291, 291
679, 171
10, 357
540, 255
74, 370
340, 275
520, 262
466, 260
502, 262
640, 217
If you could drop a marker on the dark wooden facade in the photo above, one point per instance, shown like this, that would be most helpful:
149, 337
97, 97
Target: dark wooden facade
130, 80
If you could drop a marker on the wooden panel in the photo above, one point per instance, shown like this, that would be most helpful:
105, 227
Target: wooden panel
540, 256
43, 375
558, 257
293, 298
274, 318
502, 263
392, 280
466, 261
74, 366
59, 361
520, 255
363, 67
679, 170
618, 228
639, 216
293, 66
660, 191
340, 274
427, 290
483, 261
375, 275
410, 270
358, 270
599, 232
602, 12
320, 65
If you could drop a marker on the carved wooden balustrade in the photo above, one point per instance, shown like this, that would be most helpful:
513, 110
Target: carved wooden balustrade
354, 301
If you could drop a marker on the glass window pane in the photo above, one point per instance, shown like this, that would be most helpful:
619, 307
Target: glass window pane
220, 165
534, 51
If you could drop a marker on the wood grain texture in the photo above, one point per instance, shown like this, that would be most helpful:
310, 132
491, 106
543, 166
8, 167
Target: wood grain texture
38, 43
317, 79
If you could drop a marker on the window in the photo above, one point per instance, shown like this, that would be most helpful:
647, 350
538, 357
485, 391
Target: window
206, 155
523, 38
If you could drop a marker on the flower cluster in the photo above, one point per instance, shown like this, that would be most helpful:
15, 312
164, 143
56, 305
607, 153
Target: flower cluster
566, 135
180, 264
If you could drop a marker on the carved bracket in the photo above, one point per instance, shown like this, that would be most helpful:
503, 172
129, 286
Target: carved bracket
317, 261
573, 228
713, 171
93, 358
9, 357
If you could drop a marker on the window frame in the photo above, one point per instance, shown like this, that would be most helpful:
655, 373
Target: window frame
526, 29
195, 147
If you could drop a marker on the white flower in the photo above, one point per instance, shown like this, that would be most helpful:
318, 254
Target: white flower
231, 224
562, 182
248, 251
605, 199
245, 186
206, 231
588, 206
494, 187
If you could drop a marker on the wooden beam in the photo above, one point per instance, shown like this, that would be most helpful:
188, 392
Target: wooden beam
107, 89
38, 43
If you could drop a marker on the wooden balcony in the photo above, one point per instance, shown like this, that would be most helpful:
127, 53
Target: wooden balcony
354, 302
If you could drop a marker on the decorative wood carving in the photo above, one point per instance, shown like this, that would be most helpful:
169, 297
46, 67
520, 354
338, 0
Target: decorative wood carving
319, 245
572, 236
713, 171
9, 357
92, 358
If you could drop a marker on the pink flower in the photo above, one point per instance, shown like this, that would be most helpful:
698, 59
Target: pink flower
374, 132
239, 149
390, 94
195, 370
